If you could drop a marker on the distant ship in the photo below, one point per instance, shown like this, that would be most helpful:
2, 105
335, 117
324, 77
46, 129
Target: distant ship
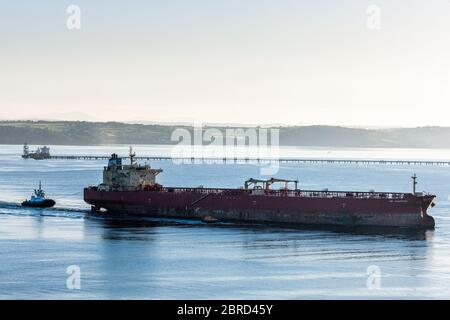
39, 200
40, 154
132, 189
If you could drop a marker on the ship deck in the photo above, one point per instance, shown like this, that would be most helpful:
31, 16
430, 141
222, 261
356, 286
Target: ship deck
288, 193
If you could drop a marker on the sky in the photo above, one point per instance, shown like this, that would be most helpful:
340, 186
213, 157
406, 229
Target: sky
229, 61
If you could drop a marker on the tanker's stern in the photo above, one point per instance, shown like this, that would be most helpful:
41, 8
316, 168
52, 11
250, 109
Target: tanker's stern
118, 177
91, 196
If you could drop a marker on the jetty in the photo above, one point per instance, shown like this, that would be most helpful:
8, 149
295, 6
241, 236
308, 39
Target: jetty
242, 160
262, 160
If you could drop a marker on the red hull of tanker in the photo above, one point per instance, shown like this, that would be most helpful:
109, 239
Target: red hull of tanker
302, 207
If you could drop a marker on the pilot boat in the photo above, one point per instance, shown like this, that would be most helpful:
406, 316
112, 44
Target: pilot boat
39, 199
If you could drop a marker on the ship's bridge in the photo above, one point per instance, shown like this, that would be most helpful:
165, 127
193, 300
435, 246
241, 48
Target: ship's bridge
132, 177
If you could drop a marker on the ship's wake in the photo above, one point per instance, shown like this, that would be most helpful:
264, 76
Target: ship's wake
127, 221
16, 209
7, 204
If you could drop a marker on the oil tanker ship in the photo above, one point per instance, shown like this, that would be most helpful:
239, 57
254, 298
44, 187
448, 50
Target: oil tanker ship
132, 189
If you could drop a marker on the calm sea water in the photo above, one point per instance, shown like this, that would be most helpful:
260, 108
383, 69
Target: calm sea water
176, 259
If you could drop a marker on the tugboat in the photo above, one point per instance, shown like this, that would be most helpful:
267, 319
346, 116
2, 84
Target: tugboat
39, 200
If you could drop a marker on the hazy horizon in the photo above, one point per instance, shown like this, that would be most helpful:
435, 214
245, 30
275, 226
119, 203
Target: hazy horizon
187, 123
246, 62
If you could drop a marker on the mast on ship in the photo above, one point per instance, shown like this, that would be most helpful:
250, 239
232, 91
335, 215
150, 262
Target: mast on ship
39, 192
414, 177
26, 151
132, 155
